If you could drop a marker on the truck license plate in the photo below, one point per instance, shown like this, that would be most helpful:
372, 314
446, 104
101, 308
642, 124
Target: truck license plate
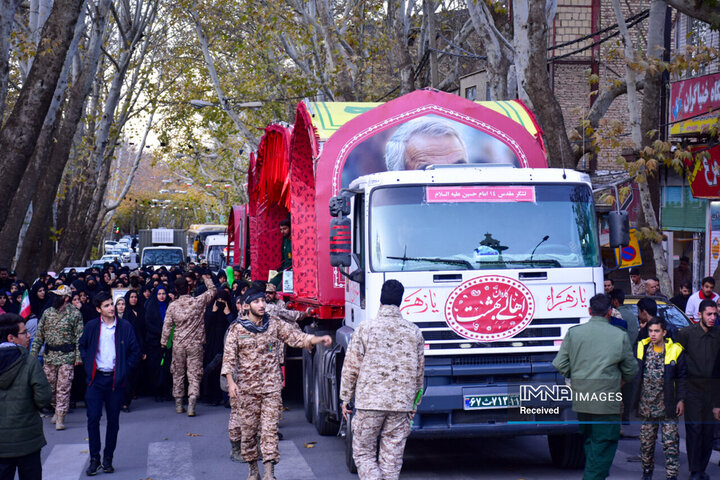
485, 402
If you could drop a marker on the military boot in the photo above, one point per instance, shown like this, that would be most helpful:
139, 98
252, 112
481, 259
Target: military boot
192, 401
54, 418
60, 422
235, 454
254, 472
179, 405
647, 474
269, 471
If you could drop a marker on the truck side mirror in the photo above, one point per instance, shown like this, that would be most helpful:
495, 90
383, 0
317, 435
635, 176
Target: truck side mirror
340, 206
340, 246
619, 223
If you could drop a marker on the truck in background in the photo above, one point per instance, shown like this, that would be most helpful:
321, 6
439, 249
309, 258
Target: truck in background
499, 255
162, 247
217, 251
196, 235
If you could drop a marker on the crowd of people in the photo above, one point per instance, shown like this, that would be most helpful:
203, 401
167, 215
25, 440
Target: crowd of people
172, 324
653, 371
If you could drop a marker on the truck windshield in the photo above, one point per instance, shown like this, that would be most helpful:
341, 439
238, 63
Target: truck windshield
477, 227
162, 257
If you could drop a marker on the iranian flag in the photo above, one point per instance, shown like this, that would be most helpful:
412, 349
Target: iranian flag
25, 305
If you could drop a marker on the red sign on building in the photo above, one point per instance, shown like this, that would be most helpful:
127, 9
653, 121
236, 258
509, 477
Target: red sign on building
690, 100
705, 174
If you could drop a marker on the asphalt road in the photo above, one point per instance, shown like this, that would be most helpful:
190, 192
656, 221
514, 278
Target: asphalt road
156, 443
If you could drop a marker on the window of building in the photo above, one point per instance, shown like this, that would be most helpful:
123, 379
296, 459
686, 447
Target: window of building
471, 93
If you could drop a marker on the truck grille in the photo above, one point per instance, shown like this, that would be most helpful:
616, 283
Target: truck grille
542, 334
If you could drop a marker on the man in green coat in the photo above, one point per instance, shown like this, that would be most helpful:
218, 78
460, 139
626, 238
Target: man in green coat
24, 390
597, 359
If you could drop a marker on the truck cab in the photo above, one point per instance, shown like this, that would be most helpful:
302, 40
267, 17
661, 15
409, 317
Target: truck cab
497, 264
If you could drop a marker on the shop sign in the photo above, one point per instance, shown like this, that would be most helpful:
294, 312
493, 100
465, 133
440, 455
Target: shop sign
692, 103
704, 174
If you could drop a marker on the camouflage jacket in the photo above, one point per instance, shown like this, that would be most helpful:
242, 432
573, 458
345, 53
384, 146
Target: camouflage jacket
56, 329
253, 357
280, 311
385, 364
187, 315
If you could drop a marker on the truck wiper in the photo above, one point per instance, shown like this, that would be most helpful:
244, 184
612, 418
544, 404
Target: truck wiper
447, 261
552, 262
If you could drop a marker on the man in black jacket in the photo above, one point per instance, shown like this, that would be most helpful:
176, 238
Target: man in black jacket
24, 390
702, 346
109, 350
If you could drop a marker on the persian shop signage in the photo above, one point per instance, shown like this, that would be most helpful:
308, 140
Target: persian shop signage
705, 174
690, 100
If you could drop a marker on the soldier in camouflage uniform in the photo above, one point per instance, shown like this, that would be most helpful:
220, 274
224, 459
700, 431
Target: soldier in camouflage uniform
60, 329
659, 396
384, 370
187, 314
251, 356
235, 423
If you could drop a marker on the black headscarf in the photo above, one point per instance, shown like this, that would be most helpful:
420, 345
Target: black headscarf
155, 316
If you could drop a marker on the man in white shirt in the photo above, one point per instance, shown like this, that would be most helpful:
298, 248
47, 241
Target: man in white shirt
705, 293
109, 350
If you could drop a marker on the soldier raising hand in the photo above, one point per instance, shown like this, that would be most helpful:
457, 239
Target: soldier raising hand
251, 348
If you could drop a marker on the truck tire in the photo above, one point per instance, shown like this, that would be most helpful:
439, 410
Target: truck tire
349, 460
567, 451
321, 419
308, 382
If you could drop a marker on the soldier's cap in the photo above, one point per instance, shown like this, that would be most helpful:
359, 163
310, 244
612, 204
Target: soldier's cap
253, 294
62, 290
270, 288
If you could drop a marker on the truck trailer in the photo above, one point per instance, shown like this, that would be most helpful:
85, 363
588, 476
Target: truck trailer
499, 254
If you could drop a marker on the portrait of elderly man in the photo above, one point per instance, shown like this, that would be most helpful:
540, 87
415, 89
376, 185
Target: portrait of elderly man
424, 141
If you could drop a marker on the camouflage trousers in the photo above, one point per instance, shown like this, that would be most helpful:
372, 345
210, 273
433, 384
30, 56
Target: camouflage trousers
393, 429
187, 362
235, 422
60, 378
670, 438
260, 413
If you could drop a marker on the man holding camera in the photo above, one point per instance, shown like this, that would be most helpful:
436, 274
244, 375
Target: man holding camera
184, 321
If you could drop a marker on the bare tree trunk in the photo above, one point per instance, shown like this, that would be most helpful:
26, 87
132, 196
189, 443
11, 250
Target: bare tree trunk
637, 138
533, 78
398, 22
47, 187
7, 19
705, 10
19, 135
75, 241
499, 52
21, 201
222, 98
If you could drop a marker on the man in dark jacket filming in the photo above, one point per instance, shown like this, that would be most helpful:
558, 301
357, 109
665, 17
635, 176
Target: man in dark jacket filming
109, 350
24, 390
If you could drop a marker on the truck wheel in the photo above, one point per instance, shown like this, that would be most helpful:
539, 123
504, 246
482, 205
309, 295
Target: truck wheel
321, 420
308, 383
349, 460
567, 451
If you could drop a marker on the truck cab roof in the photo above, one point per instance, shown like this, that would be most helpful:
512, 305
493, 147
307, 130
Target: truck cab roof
471, 174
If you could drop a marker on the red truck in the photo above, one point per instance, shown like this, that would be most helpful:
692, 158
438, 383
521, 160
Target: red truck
448, 196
